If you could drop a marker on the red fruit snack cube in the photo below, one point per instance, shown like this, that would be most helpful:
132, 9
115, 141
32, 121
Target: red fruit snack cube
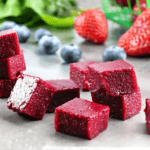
79, 73
81, 118
122, 107
30, 96
9, 44
116, 77
61, 92
12, 66
147, 113
92, 83
6, 87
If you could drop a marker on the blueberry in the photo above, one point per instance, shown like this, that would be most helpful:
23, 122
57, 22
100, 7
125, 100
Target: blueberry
71, 53
7, 25
23, 33
49, 44
114, 53
41, 32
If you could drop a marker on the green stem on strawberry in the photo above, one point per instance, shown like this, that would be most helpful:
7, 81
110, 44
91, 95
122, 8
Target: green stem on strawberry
81, 11
113, 3
138, 6
129, 5
148, 3
135, 12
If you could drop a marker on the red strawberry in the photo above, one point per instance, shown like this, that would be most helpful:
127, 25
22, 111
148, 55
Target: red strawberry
92, 25
143, 6
136, 41
124, 2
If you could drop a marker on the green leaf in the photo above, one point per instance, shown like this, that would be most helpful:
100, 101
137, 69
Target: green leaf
51, 8
58, 22
11, 8
53, 12
33, 21
38, 7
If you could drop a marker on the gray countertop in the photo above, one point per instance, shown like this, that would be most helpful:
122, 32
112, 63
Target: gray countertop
17, 132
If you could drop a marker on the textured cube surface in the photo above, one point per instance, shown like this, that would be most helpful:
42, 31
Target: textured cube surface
147, 113
116, 77
92, 82
122, 107
30, 96
12, 66
9, 44
6, 86
61, 92
79, 73
81, 118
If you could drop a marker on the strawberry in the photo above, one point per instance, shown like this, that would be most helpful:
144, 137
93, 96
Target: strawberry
124, 2
92, 25
143, 6
136, 41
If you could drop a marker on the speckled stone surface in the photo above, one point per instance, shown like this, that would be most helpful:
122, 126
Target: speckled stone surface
17, 132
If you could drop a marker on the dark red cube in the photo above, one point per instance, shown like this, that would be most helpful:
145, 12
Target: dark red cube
147, 113
92, 82
12, 66
81, 118
148, 127
122, 107
6, 87
79, 73
116, 77
30, 96
61, 92
9, 44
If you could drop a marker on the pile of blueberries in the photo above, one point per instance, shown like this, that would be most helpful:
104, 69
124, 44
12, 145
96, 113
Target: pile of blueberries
49, 44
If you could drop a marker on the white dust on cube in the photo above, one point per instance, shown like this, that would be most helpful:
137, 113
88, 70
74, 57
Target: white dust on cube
22, 92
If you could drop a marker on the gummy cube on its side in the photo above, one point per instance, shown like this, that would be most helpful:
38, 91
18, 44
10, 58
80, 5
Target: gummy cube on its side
81, 118
79, 73
116, 77
12, 66
147, 113
6, 87
61, 92
9, 44
122, 107
30, 96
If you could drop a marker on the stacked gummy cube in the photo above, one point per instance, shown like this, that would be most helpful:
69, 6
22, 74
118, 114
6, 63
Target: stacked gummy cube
12, 61
117, 88
111, 83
